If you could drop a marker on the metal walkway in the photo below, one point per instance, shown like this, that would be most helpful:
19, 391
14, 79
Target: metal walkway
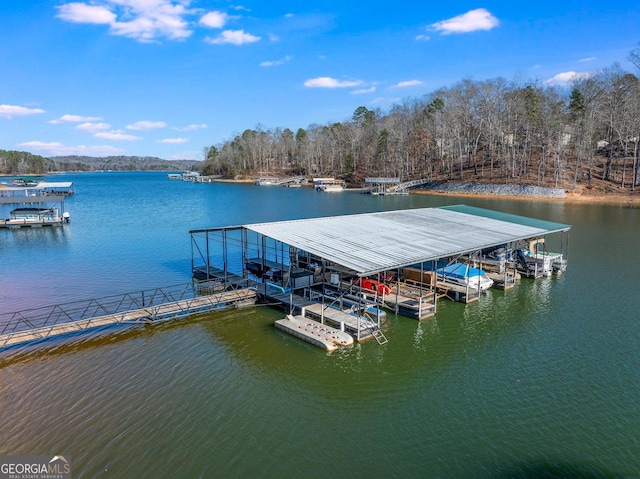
161, 304
392, 186
403, 187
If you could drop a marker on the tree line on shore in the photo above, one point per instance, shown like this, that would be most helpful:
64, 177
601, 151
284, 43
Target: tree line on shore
16, 163
490, 130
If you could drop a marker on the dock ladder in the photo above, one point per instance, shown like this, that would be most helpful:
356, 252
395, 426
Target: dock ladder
374, 330
379, 336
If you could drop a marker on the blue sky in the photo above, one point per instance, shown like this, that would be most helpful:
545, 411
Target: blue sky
168, 78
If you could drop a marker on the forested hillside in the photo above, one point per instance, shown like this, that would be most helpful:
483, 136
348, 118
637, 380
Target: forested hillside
24, 163
121, 163
21, 163
488, 131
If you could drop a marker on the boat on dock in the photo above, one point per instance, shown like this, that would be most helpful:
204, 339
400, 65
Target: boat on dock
461, 274
25, 181
536, 261
34, 217
329, 185
193, 176
267, 181
35, 206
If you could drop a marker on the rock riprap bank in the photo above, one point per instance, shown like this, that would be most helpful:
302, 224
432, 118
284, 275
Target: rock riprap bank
495, 190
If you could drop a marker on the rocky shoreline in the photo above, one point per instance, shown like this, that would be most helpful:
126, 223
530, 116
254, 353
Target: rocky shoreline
525, 191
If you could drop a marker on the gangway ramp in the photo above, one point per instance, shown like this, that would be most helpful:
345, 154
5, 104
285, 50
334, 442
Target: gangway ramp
156, 306
403, 187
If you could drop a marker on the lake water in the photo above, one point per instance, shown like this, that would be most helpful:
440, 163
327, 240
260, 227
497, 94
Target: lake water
539, 381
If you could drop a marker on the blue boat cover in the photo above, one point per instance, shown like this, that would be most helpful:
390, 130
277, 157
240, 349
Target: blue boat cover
459, 270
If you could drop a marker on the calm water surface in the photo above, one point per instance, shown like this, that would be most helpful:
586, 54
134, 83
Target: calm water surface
540, 379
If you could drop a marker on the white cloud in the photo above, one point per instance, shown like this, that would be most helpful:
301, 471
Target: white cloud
276, 63
148, 28
58, 149
589, 59
8, 111
423, 38
77, 12
235, 37
173, 140
142, 20
214, 19
146, 125
566, 78
384, 100
473, 20
116, 135
190, 127
328, 82
92, 127
74, 119
363, 90
408, 83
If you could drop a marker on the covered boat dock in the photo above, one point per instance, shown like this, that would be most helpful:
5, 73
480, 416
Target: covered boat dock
384, 259
40, 205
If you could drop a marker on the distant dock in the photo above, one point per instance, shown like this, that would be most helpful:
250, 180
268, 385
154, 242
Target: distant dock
36, 206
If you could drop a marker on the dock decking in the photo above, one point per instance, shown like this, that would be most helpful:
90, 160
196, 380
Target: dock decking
411, 301
30, 223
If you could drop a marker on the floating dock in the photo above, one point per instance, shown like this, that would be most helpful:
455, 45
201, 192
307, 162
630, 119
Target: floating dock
321, 258
36, 205
361, 327
33, 222
314, 332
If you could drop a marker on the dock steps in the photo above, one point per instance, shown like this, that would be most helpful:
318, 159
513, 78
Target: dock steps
379, 336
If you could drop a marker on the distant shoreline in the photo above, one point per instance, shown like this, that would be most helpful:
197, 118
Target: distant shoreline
453, 189
632, 198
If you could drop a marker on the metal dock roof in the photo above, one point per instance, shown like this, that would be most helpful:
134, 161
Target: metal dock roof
373, 242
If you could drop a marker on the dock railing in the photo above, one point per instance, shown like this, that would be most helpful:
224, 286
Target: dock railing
141, 306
